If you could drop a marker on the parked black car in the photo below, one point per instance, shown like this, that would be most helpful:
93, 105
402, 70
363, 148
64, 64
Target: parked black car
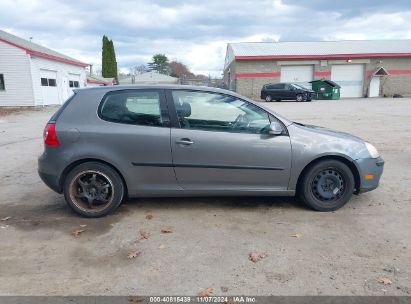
285, 91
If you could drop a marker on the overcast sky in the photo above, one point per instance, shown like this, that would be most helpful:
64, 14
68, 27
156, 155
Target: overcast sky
196, 32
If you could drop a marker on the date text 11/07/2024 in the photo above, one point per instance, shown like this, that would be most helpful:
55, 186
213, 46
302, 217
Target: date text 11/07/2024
209, 299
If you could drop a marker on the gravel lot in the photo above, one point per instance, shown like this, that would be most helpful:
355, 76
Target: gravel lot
340, 253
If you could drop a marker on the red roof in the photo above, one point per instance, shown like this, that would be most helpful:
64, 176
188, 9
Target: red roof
37, 50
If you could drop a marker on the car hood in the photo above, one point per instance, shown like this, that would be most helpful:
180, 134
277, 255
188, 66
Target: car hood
317, 141
330, 132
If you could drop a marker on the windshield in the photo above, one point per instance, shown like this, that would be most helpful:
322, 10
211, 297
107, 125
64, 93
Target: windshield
298, 86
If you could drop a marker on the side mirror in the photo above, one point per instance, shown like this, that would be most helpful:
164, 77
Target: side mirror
275, 128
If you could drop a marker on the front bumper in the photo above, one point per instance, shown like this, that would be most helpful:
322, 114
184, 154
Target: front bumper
370, 170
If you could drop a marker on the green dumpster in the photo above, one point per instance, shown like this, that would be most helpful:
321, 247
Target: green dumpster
326, 89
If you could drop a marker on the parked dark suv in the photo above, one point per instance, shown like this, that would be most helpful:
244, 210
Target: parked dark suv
285, 91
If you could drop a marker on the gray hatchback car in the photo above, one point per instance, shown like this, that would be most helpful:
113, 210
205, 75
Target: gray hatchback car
108, 143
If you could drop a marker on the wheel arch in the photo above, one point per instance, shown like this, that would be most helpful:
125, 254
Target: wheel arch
346, 161
87, 160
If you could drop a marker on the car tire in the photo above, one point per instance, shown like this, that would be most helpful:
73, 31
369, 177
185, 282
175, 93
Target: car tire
327, 185
93, 189
268, 98
299, 97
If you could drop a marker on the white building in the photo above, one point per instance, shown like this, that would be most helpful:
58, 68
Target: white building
151, 77
33, 75
97, 81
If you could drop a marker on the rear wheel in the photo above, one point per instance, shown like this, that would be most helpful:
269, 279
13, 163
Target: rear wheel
268, 98
93, 189
327, 185
299, 98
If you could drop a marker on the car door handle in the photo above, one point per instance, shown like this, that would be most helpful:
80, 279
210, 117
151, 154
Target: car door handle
184, 142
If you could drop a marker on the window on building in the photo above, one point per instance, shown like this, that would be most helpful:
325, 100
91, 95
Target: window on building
52, 82
74, 84
2, 85
132, 107
48, 82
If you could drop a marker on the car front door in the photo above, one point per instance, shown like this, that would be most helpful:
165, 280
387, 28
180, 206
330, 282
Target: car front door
220, 142
289, 92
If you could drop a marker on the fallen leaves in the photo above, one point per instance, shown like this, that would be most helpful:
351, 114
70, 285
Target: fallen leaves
144, 234
224, 289
77, 232
297, 235
167, 230
133, 254
82, 226
257, 256
149, 216
6, 218
162, 246
385, 281
206, 292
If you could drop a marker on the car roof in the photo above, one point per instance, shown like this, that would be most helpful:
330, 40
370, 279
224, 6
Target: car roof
158, 86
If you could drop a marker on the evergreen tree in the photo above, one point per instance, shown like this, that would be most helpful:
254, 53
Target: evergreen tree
109, 62
160, 64
114, 71
105, 57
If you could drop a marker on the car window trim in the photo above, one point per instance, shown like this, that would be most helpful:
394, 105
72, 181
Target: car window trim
175, 123
164, 112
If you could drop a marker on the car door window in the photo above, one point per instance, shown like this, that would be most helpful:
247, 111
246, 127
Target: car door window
132, 107
218, 112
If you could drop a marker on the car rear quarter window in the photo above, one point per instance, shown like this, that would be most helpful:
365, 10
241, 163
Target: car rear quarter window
132, 107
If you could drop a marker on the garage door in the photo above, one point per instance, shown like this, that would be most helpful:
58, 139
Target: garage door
49, 87
350, 78
73, 83
300, 74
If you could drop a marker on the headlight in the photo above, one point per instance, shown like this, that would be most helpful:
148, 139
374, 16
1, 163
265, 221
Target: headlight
372, 150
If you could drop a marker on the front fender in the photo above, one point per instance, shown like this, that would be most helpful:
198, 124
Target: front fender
309, 145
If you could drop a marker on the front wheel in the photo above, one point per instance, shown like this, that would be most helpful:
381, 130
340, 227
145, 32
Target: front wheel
327, 185
93, 189
268, 98
299, 97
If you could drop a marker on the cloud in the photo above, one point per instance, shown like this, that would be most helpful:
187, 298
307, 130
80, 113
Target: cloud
196, 32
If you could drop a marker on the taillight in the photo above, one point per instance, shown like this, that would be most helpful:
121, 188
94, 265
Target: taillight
50, 135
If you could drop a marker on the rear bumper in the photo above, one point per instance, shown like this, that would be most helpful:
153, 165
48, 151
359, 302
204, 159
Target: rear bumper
370, 173
51, 181
48, 174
